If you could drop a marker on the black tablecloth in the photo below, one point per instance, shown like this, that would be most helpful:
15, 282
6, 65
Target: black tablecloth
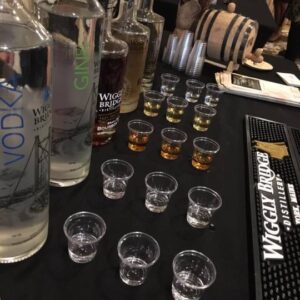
50, 274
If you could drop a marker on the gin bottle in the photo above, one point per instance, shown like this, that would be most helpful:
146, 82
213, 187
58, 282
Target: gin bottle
155, 23
112, 72
25, 120
76, 28
127, 28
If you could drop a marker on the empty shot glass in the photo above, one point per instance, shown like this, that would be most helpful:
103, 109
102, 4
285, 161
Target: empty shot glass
139, 134
194, 89
204, 152
203, 203
193, 273
160, 187
213, 94
152, 103
172, 140
137, 251
203, 117
175, 109
84, 230
168, 83
116, 174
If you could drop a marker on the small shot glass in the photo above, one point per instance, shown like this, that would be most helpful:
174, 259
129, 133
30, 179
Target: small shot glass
168, 83
84, 230
194, 89
204, 152
137, 251
203, 203
116, 174
139, 134
203, 117
160, 188
175, 109
172, 140
152, 103
213, 94
193, 273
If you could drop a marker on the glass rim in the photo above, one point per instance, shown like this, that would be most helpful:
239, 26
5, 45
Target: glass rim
194, 82
170, 77
215, 87
174, 129
205, 139
184, 104
151, 127
162, 174
156, 93
209, 191
199, 255
136, 234
83, 214
212, 112
120, 161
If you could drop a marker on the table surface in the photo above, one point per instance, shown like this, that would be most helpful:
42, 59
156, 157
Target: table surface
50, 274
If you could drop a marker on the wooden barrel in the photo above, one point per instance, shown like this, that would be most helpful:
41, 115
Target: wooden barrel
229, 36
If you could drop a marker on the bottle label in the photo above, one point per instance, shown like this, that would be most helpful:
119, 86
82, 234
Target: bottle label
108, 107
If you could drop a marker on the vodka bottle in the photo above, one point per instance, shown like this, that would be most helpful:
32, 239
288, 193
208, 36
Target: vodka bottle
112, 71
25, 119
155, 23
127, 28
76, 28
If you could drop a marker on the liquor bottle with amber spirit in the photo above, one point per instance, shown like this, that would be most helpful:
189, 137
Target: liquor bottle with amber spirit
112, 73
155, 23
127, 28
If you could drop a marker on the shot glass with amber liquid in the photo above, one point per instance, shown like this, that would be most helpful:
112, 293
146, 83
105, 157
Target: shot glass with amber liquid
172, 141
203, 117
204, 152
175, 109
152, 103
139, 134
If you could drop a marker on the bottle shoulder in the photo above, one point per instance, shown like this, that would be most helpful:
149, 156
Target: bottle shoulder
130, 27
149, 17
73, 8
114, 47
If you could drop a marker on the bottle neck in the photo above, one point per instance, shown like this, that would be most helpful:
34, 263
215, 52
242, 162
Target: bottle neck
146, 5
128, 10
108, 20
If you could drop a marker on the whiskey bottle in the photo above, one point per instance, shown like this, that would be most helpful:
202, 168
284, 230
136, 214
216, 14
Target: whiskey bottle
155, 23
112, 72
127, 28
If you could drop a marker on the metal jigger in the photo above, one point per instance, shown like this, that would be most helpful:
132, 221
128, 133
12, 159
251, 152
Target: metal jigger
196, 59
170, 49
183, 50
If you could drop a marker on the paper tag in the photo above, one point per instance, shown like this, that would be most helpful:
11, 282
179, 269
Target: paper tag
289, 79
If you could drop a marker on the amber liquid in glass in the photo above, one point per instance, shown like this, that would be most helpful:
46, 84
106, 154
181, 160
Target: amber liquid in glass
174, 114
170, 151
151, 108
201, 161
137, 141
201, 124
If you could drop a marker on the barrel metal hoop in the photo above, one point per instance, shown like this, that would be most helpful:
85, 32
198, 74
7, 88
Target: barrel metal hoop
211, 23
236, 36
229, 28
201, 24
252, 25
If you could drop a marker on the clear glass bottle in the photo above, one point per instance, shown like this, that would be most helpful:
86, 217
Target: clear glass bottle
25, 121
127, 28
112, 74
155, 23
76, 27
